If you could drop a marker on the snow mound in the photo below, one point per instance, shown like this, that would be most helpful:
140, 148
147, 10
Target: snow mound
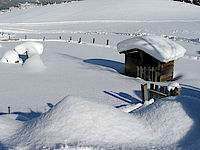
168, 120
79, 122
34, 64
11, 57
30, 47
173, 85
158, 47
75, 120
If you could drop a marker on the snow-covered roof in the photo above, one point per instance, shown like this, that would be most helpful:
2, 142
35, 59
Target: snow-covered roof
158, 47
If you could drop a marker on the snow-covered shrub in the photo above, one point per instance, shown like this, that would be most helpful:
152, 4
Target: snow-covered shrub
30, 48
11, 57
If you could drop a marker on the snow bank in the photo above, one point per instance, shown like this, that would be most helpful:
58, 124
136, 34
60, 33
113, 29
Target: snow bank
8, 127
30, 47
168, 120
11, 57
75, 120
78, 122
158, 47
34, 64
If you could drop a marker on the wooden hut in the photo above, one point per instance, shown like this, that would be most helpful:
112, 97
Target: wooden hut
150, 57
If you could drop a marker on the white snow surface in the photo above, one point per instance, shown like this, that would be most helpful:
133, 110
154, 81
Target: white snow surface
95, 72
80, 122
112, 10
30, 47
10, 57
34, 64
160, 48
173, 85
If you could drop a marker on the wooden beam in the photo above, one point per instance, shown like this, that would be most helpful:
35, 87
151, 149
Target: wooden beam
144, 93
156, 89
157, 94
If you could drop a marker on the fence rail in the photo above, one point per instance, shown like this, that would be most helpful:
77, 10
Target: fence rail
156, 92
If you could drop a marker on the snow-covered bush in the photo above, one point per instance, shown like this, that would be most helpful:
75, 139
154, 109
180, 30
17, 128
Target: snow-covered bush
11, 57
31, 48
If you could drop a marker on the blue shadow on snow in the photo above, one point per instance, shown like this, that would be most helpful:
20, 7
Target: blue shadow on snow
118, 66
191, 104
25, 116
23, 57
123, 97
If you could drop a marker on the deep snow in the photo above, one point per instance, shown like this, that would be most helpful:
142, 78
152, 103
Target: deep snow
79, 122
94, 74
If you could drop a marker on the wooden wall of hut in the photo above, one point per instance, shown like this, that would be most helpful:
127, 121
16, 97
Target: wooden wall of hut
137, 58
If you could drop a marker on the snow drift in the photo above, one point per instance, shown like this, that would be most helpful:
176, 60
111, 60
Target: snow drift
79, 122
34, 64
7, 127
11, 57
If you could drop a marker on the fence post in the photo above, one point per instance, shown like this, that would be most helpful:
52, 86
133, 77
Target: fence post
166, 91
9, 110
107, 43
172, 92
156, 89
93, 41
144, 93
177, 91
162, 91
79, 40
151, 88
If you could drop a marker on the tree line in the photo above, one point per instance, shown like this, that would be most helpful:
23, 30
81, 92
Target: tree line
195, 2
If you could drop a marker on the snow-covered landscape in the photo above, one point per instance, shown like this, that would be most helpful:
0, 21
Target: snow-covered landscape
64, 80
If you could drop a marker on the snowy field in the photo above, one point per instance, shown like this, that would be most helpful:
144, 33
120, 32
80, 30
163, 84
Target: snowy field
72, 96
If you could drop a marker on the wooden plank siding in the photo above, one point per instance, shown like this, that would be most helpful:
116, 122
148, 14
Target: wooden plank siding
140, 64
166, 71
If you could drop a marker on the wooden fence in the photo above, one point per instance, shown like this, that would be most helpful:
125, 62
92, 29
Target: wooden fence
148, 73
44, 39
156, 92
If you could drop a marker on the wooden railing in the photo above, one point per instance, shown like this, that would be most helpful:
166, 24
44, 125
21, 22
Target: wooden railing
156, 92
148, 73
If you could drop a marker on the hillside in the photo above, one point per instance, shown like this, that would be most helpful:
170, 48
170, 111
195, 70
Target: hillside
5, 4
140, 10
72, 93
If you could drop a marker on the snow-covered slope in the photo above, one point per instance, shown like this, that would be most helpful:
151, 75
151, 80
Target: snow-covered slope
95, 10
